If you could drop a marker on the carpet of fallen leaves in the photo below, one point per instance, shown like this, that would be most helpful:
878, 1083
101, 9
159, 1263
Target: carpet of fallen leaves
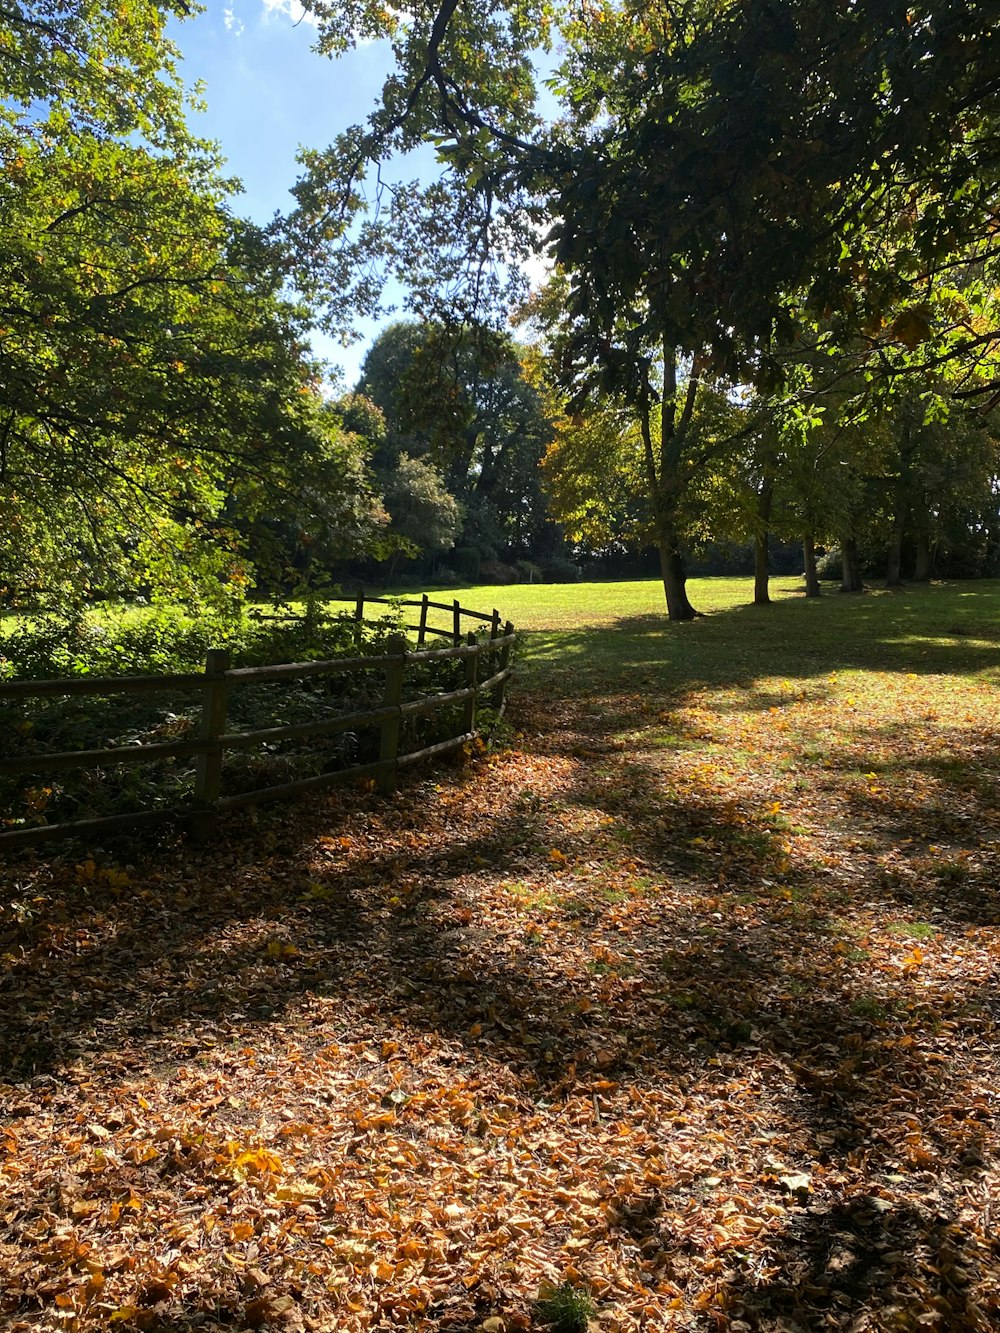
688, 1001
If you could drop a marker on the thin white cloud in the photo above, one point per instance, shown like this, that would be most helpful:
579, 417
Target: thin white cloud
291, 9
233, 24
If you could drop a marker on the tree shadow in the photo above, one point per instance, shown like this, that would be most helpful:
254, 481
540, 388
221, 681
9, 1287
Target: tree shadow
229, 942
867, 1262
799, 640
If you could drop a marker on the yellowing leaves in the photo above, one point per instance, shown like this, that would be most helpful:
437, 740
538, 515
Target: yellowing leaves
90, 873
911, 327
282, 949
251, 1163
913, 960
299, 1191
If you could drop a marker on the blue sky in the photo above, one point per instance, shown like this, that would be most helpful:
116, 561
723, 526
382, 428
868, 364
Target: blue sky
267, 93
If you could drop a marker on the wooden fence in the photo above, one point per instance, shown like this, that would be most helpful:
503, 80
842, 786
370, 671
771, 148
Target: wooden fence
487, 670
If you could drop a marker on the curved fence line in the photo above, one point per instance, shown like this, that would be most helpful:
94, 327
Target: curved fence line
487, 671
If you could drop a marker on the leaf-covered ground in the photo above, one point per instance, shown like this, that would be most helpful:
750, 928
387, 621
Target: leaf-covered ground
688, 999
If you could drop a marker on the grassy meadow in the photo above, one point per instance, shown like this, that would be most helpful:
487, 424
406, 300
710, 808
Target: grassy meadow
677, 1012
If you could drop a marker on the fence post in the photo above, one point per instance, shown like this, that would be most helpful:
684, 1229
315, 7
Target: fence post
359, 617
494, 632
472, 680
422, 631
389, 747
456, 618
499, 690
208, 773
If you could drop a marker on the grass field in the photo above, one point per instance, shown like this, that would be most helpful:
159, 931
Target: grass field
610, 629
684, 1003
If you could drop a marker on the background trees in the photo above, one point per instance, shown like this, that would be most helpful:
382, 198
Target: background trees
731, 193
458, 400
772, 240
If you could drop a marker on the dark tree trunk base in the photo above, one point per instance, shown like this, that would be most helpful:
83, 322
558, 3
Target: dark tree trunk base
851, 576
761, 573
675, 585
809, 561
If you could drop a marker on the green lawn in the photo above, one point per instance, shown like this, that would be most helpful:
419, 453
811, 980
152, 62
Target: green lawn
582, 634
553, 606
579, 635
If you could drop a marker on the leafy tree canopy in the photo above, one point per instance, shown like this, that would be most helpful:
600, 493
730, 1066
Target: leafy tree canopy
717, 173
460, 395
157, 395
106, 69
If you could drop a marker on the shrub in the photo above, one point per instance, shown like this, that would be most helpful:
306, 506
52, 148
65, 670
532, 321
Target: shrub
529, 572
560, 569
165, 641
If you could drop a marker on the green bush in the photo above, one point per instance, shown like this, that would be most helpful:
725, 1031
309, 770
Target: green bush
163, 640
560, 569
168, 641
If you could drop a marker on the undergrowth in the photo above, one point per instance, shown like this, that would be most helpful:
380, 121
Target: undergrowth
160, 641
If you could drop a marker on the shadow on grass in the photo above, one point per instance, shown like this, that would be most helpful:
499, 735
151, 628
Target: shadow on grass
862, 1261
197, 936
219, 944
911, 633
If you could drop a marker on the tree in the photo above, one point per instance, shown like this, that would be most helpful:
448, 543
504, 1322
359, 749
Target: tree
426, 518
297, 535
757, 163
720, 177
460, 396
682, 417
83, 67
157, 397
941, 482
592, 475
771, 163
153, 371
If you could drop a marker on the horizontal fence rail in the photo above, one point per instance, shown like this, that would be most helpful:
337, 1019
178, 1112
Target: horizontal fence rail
487, 672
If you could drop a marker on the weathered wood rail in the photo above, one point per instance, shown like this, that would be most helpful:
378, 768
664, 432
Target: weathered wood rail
216, 684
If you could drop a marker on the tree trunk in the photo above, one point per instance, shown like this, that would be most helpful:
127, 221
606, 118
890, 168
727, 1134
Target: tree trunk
761, 564
761, 571
662, 483
675, 581
809, 560
894, 558
922, 563
851, 566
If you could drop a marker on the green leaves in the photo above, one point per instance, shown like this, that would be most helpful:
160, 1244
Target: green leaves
155, 383
77, 65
